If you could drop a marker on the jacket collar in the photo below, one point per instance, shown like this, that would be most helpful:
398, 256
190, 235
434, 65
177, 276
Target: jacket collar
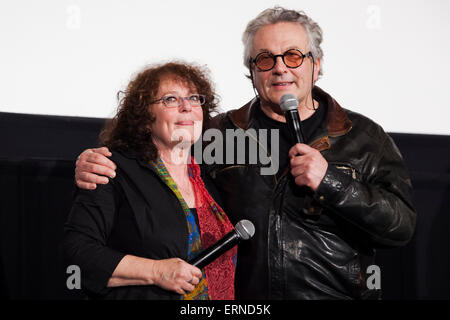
337, 121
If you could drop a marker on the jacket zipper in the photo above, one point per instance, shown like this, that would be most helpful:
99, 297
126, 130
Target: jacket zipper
278, 223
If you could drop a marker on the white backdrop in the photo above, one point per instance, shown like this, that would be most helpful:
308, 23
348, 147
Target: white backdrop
386, 59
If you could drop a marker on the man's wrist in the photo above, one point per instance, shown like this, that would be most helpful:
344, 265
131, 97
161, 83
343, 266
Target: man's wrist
333, 185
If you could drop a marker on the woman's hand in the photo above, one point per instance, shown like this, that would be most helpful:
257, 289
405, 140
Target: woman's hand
175, 275
171, 274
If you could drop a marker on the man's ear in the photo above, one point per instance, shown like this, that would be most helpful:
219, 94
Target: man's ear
317, 64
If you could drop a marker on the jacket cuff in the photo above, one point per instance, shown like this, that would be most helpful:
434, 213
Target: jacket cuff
104, 266
333, 186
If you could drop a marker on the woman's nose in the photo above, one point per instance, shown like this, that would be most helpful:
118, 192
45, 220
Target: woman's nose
185, 105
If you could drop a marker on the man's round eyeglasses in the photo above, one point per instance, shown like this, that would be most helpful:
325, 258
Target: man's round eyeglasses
292, 58
174, 101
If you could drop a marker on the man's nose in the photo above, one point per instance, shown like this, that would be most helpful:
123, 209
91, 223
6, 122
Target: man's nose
279, 67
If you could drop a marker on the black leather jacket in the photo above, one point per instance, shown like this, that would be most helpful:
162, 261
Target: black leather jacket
318, 245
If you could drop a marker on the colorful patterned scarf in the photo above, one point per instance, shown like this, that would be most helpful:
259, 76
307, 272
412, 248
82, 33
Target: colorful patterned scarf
217, 282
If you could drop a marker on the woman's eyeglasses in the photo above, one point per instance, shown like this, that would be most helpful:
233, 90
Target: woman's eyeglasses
174, 101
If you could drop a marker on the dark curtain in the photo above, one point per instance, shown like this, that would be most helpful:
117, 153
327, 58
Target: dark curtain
418, 270
37, 160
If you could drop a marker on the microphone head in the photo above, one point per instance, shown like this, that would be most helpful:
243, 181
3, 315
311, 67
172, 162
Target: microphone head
245, 229
288, 102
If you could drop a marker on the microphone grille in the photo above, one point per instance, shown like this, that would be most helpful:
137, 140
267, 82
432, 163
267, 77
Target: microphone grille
245, 229
288, 102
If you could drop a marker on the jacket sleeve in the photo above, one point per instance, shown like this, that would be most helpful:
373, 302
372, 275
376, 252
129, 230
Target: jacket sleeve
380, 203
86, 233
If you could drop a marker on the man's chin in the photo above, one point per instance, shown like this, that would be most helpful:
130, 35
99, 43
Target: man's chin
275, 98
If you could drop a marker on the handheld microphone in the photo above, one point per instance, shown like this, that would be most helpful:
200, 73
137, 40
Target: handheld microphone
243, 230
289, 104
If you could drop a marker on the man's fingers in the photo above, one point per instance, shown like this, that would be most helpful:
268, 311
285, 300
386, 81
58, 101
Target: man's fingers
103, 150
90, 167
297, 171
100, 159
299, 149
300, 181
98, 155
85, 185
305, 162
91, 178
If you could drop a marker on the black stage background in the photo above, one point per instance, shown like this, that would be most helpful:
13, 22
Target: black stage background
37, 158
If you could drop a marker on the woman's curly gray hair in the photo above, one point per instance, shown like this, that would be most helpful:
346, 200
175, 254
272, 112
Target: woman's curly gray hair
279, 14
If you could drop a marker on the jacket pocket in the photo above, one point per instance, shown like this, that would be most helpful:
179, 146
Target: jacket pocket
346, 168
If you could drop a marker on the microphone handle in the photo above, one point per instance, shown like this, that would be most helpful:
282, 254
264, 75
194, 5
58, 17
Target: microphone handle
216, 250
295, 126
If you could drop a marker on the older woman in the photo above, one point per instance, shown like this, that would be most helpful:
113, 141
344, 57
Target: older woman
132, 237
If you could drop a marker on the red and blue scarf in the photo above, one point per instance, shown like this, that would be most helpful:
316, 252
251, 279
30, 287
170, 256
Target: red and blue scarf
217, 282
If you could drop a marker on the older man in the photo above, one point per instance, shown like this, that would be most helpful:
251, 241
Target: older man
335, 199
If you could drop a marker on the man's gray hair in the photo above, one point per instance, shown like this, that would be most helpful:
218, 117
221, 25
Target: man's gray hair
279, 14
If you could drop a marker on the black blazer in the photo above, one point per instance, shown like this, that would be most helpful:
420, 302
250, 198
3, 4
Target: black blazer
135, 213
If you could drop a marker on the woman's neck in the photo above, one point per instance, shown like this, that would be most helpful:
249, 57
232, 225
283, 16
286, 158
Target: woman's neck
179, 173
176, 161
